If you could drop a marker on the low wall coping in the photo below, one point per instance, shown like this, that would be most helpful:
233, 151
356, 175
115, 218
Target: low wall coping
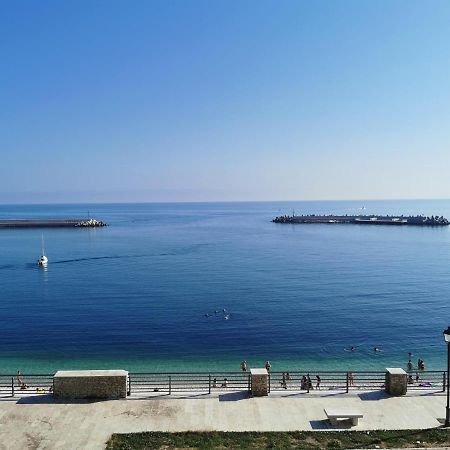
90, 373
395, 371
259, 371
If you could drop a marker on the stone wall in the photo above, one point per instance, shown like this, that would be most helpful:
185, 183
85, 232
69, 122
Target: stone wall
396, 381
90, 384
260, 382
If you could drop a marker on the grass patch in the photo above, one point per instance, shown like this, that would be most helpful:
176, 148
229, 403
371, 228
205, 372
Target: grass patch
303, 440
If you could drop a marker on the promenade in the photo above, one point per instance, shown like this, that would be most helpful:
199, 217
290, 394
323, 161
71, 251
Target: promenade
40, 422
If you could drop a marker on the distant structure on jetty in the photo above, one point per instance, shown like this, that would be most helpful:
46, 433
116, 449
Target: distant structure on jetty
52, 223
433, 221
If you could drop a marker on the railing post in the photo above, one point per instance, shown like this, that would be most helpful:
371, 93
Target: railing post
209, 384
129, 384
12, 386
269, 382
346, 383
443, 381
170, 384
249, 383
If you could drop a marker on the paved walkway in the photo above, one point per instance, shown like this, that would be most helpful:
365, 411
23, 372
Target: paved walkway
39, 422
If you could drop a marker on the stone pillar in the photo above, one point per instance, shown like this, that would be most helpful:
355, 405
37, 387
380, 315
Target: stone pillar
260, 382
396, 381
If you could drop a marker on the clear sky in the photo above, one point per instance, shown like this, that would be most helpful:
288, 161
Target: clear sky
187, 100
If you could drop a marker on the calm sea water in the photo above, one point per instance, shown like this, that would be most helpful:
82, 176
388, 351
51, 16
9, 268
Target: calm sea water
134, 295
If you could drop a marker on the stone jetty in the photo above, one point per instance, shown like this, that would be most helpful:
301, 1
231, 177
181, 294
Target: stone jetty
432, 221
52, 223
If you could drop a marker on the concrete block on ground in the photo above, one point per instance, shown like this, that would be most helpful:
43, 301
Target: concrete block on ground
260, 382
79, 384
396, 381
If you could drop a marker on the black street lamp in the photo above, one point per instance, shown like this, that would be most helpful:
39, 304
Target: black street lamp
447, 410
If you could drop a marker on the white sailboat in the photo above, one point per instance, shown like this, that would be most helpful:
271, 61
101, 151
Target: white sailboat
43, 260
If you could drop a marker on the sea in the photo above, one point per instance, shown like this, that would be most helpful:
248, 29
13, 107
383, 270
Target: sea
202, 286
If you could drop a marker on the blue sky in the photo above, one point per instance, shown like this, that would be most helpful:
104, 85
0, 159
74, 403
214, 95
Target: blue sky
224, 100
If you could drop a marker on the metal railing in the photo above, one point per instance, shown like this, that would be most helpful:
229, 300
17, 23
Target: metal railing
152, 382
149, 383
31, 384
326, 380
433, 380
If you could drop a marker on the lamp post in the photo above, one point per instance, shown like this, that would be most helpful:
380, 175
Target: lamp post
447, 410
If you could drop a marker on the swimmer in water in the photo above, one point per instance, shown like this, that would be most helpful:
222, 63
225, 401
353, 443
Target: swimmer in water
376, 349
352, 349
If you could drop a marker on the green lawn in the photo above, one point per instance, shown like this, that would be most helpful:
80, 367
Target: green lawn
308, 440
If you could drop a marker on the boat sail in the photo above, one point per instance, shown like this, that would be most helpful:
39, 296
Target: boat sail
43, 260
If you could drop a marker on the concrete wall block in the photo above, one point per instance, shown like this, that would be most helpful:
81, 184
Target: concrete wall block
396, 381
90, 384
260, 382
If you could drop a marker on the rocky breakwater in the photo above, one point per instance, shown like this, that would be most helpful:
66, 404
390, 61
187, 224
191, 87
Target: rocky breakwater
433, 221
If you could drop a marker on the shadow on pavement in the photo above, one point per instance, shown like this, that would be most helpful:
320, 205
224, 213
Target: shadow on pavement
375, 395
326, 425
48, 399
234, 396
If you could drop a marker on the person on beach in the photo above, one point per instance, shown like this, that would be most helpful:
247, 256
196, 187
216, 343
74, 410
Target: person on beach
283, 381
309, 382
20, 381
410, 366
215, 382
303, 383
350, 379
268, 366
410, 379
318, 380
225, 382
244, 366
420, 364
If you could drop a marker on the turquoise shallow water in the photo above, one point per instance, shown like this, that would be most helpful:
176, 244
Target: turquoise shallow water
134, 295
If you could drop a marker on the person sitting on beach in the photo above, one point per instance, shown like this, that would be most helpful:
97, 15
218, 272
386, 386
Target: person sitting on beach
214, 383
410, 379
244, 366
225, 382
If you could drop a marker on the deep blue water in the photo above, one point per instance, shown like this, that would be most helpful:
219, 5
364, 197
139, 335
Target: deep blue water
134, 295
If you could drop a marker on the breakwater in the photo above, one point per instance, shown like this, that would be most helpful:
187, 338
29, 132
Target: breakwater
365, 220
52, 223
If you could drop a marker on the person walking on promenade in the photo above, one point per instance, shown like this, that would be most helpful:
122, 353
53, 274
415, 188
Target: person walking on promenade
244, 366
318, 382
268, 366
